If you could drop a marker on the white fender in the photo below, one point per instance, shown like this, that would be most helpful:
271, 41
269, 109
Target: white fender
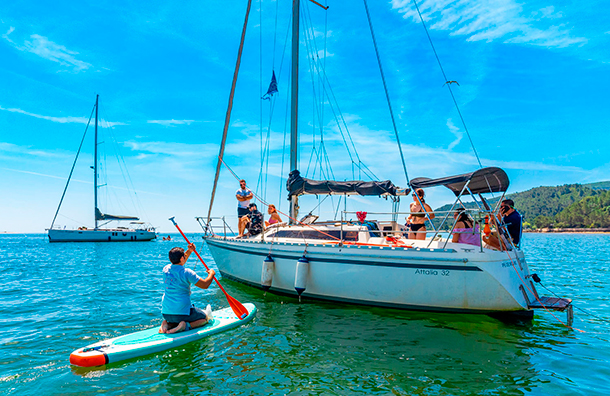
300, 278
267, 273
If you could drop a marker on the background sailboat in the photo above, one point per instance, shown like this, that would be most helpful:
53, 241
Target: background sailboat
137, 231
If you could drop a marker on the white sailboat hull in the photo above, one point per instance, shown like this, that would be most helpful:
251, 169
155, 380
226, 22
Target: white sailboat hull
451, 280
100, 235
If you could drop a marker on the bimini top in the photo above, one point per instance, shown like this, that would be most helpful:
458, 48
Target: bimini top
297, 185
482, 181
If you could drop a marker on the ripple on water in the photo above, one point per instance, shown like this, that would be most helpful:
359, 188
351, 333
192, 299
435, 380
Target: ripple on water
57, 297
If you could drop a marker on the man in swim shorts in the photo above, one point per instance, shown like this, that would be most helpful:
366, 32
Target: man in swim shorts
178, 312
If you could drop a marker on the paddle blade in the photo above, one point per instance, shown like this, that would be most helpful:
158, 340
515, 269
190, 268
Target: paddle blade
240, 311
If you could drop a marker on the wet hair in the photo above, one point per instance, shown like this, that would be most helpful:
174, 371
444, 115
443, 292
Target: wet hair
464, 217
175, 255
509, 202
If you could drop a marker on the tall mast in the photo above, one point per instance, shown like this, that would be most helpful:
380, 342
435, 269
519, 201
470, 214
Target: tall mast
97, 97
294, 113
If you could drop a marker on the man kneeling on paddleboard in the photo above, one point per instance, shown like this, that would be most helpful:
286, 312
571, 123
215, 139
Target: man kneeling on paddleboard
178, 312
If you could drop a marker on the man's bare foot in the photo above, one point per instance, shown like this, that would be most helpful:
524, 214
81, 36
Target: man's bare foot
164, 327
181, 327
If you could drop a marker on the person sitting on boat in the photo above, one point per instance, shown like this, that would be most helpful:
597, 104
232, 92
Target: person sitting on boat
243, 195
512, 220
417, 218
465, 230
274, 217
178, 312
253, 222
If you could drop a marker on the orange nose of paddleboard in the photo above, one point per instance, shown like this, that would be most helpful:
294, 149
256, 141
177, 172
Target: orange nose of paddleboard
88, 359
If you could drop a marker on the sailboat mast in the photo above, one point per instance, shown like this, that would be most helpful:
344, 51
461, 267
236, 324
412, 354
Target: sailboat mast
294, 112
97, 97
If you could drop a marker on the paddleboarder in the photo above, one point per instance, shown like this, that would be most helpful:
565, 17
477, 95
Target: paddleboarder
178, 312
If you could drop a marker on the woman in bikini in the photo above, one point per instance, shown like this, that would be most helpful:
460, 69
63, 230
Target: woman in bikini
274, 217
417, 218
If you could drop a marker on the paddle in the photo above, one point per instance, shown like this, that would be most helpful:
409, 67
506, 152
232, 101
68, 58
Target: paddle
236, 306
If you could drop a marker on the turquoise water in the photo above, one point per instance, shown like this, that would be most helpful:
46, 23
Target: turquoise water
55, 298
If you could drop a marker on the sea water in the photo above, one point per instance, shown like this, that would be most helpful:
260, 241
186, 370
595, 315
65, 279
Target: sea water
55, 298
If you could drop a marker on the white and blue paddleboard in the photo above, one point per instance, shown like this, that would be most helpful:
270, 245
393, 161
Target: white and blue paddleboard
151, 341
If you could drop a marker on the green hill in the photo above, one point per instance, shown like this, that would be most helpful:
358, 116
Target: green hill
589, 212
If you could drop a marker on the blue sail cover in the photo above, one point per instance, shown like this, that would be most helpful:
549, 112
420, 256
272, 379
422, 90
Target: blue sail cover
101, 216
297, 185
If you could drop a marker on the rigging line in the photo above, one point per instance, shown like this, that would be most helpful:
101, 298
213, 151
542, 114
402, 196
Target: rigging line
314, 55
446, 79
229, 107
260, 82
316, 68
123, 168
283, 151
313, 84
385, 87
523, 282
340, 114
73, 165
275, 33
581, 309
267, 204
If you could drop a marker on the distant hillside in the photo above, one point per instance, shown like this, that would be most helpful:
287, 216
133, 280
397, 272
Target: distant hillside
570, 205
605, 185
590, 212
549, 201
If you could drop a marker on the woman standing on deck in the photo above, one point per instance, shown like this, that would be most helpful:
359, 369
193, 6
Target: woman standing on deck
417, 218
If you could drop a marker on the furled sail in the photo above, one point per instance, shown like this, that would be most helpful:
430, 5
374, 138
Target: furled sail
298, 185
101, 216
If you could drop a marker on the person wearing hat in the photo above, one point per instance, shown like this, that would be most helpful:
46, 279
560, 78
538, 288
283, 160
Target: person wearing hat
253, 221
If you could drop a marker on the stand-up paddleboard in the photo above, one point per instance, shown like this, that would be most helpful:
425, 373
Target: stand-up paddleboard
151, 341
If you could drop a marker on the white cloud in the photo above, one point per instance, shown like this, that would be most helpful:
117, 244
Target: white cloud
171, 149
61, 120
456, 132
492, 20
13, 148
49, 50
171, 123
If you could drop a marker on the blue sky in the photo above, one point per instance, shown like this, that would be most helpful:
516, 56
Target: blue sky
533, 91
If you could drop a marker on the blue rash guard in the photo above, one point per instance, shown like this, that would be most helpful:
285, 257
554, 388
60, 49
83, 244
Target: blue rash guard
177, 296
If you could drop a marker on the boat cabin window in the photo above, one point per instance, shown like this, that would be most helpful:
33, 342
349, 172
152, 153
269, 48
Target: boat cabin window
313, 234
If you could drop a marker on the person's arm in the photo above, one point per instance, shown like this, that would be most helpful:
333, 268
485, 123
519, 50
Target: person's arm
190, 250
241, 197
456, 235
277, 217
249, 196
205, 283
429, 211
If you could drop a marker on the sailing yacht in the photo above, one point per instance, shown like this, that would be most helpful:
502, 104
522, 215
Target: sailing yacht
137, 231
371, 262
